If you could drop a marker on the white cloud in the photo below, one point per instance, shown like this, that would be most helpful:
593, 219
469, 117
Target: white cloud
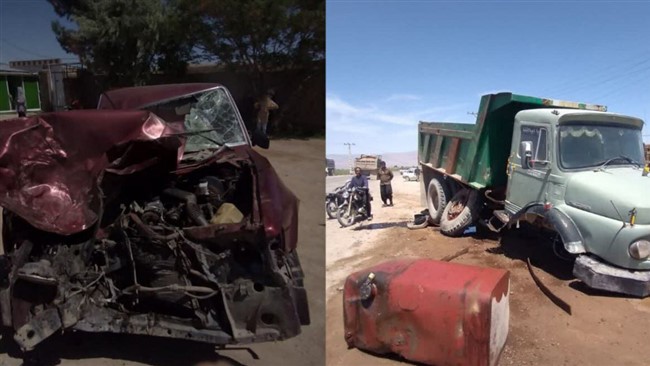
339, 111
402, 97
380, 127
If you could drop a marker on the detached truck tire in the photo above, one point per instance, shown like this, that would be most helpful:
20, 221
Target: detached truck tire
460, 212
437, 196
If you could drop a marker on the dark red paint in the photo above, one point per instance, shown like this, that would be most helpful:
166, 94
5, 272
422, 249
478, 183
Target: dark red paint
51, 165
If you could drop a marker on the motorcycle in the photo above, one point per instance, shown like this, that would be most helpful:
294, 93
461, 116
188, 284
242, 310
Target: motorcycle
353, 210
335, 199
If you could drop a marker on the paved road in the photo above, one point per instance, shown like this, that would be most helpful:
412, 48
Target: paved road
335, 181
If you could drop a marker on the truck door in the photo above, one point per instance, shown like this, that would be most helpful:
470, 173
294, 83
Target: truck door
528, 185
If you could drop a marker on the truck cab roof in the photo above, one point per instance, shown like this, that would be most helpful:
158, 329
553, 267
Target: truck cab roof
564, 115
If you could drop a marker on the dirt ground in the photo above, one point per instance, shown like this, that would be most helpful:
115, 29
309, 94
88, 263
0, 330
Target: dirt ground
604, 329
299, 164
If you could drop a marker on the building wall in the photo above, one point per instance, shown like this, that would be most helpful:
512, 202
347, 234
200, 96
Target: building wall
5, 103
8, 91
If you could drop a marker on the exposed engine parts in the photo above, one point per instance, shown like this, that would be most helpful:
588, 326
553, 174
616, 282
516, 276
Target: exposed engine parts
186, 259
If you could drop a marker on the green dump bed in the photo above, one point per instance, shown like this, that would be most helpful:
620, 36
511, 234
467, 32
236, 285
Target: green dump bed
477, 154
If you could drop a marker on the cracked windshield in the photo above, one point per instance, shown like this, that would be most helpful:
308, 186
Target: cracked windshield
214, 114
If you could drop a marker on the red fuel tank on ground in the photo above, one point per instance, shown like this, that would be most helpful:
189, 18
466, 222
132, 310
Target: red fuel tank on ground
428, 311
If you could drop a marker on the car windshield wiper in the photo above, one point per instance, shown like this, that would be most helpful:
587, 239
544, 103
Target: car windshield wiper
199, 133
620, 157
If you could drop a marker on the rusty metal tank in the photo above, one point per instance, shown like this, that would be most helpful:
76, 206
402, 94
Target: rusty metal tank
428, 311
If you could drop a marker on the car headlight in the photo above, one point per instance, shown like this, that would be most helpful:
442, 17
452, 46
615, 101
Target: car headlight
640, 249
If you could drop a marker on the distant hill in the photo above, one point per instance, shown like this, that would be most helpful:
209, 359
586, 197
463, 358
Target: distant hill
409, 158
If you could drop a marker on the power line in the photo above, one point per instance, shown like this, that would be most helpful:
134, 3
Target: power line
614, 91
633, 69
349, 145
601, 72
24, 50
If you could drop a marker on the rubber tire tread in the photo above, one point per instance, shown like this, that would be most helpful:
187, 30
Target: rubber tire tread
457, 226
340, 219
443, 194
331, 215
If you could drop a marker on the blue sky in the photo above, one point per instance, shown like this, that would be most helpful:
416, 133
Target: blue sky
393, 63
26, 31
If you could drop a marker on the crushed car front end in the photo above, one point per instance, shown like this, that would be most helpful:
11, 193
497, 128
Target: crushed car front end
109, 227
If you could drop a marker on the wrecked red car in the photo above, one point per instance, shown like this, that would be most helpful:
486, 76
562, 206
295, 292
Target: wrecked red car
151, 215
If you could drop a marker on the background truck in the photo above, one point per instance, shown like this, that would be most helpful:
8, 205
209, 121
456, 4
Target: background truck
329, 166
369, 164
569, 167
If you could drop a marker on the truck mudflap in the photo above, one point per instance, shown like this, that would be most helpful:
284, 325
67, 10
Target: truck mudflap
602, 276
428, 311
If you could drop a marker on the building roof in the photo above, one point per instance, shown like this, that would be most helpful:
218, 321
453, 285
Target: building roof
5, 69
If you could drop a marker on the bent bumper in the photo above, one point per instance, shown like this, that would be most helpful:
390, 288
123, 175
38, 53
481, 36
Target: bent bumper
602, 276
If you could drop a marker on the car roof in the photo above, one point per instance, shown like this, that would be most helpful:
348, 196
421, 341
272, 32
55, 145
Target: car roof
140, 96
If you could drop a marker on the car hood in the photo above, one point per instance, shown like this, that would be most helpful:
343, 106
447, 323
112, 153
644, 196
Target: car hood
50, 164
51, 167
608, 191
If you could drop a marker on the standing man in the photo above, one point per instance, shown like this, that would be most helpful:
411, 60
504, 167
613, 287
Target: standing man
360, 181
263, 106
384, 176
20, 102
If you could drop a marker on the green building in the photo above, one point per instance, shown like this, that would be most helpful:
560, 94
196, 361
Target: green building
10, 80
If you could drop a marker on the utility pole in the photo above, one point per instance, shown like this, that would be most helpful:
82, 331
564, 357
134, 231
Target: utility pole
349, 145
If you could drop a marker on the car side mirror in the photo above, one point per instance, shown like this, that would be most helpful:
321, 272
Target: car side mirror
526, 153
260, 139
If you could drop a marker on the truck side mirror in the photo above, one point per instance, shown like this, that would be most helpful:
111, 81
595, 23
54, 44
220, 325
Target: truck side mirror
526, 153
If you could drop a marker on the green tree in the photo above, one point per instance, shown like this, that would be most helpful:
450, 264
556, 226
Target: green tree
260, 36
126, 40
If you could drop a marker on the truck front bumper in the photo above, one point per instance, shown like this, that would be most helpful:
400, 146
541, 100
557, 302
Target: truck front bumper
599, 275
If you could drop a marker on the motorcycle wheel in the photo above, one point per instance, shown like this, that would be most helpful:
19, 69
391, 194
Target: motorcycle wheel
331, 208
344, 219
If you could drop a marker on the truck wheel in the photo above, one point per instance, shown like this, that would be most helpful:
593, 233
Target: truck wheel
459, 213
437, 195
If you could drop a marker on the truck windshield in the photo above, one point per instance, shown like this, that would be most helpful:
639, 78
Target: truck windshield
591, 145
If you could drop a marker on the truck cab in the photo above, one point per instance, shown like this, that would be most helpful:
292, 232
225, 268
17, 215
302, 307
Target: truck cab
586, 169
570, 167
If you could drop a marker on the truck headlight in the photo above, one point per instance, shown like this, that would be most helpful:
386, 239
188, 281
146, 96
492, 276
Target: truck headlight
640, 249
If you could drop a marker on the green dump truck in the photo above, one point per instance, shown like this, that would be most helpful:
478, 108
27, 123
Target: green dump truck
569, 167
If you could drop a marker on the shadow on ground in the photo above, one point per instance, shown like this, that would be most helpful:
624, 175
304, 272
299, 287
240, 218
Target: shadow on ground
380, 225
153, 351
393, 357
538, 246
582, 287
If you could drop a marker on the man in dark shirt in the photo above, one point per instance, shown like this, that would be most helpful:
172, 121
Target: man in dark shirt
384, 176
360, 181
